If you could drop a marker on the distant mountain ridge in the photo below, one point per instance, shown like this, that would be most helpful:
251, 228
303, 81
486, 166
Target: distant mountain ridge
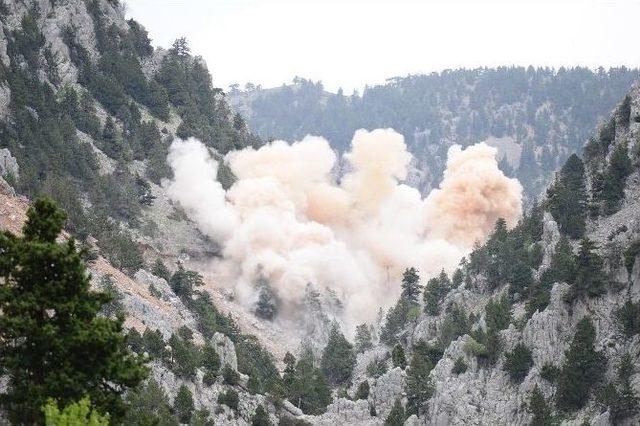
536, 116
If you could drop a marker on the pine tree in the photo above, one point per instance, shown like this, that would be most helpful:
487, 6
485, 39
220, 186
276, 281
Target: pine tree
589, 278
184, 282
268, 302
363, 338
583, 368
419, 387
539, 408
183, 404
563, 263
309, 390
53, 343
289, 374
410, 285
567, 198
398, 358
160, 270
260, 417
210, 363
338, 358
624, 402
518, 362
363, 390
434, 293
149, 405
396, 416
615, 178
180, 48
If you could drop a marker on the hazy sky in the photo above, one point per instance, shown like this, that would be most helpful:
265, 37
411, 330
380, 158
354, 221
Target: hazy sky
350, 43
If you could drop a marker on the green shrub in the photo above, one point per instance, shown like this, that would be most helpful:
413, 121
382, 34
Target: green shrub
363, 391
229, 398
230, 376
475, 348
460, 366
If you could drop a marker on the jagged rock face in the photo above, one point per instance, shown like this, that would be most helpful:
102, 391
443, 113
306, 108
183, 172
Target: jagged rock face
8, 164
226, 350
166, 320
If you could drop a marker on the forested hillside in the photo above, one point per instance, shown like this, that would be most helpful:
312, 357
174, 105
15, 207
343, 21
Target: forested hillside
109, 311
89, 110
536, 116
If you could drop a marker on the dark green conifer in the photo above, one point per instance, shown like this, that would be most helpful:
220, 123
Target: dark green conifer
53, 344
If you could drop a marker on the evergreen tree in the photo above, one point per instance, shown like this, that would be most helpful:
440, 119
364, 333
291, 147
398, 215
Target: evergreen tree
498, 313
363, 338
623, 401
628, 316
53, 344
396, 416
289, 374
180, 48
149, 405
363, 390
184, 282
185, 356
518, 362
567, 198
539, 408
338, 358
160, 270
563, 263
310, 391
201, 418
583, 368
183, 404
419, 387
589, 279
268, 302
410, 285
434, 293
615, 178
210, 363
398, 358
260, 417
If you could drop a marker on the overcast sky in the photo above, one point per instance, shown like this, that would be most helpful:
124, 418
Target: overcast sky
350, 43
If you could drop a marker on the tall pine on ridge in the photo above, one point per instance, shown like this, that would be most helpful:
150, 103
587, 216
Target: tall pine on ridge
53, 344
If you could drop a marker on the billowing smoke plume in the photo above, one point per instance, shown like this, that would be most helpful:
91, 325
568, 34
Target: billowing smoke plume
288, 222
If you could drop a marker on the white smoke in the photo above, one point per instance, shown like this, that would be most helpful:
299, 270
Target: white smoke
288, 219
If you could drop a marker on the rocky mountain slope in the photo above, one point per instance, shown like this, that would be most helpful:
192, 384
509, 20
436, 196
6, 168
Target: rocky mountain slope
536, 117
87, 111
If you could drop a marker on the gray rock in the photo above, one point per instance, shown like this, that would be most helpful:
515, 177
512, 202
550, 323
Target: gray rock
8, 164
226, 350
